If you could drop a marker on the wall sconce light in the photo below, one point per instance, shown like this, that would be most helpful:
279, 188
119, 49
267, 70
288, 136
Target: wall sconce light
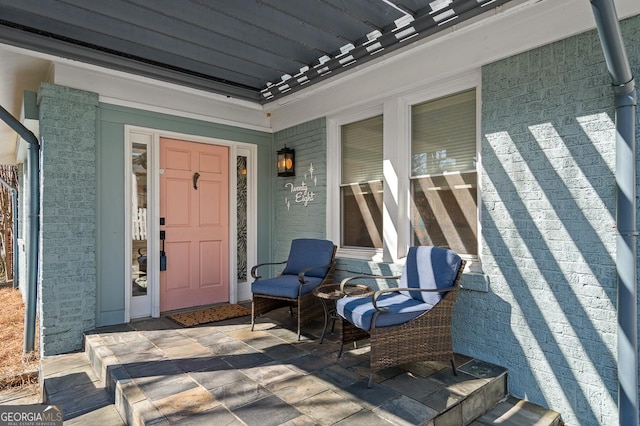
286, 162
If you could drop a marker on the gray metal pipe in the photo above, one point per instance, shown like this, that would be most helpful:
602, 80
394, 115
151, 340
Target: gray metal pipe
626, 262
33, 171
32, 254
14, 214
16, 264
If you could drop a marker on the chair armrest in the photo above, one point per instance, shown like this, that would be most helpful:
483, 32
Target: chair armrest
398, 289
346, 280
305, 270
253, 270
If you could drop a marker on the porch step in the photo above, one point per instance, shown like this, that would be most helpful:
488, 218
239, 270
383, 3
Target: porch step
515, 412
70, 382
158, 373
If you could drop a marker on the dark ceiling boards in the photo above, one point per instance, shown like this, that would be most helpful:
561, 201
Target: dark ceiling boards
256, 50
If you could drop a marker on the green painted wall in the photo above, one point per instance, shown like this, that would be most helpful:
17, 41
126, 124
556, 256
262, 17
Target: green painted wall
110, 192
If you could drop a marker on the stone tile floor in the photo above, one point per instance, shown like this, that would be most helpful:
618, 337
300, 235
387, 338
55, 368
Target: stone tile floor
158, 372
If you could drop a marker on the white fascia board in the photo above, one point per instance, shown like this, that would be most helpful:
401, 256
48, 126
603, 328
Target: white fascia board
118, 88
507, 31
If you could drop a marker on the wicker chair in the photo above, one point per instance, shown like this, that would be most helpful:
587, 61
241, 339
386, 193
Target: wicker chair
411, 322
310, 264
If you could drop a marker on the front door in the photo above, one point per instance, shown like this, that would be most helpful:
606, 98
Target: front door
194, 204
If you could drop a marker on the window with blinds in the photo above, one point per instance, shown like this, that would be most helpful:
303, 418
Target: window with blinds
443, 173
361, 183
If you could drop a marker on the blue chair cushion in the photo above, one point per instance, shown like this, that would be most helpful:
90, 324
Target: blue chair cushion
284, 286
429, 268
359, 310
306, 252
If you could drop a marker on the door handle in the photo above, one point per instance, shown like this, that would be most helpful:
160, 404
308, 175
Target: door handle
196, 176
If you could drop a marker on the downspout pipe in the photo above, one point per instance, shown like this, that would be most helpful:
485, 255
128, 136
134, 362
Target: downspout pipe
33, 170
625, 102
14, 214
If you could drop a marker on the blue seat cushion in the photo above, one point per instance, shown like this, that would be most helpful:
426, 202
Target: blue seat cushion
306, 252
429, 268
284, 286
359, 310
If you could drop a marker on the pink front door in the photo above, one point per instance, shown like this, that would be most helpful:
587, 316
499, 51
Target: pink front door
194, 200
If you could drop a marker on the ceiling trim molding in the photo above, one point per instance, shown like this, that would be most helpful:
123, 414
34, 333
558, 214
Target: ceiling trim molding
127, 90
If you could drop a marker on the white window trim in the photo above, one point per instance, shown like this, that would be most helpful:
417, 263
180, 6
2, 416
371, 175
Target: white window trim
396, 112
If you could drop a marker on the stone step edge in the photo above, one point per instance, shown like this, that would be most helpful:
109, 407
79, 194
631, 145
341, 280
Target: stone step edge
129, 400
78, 410
547, 417
476, 403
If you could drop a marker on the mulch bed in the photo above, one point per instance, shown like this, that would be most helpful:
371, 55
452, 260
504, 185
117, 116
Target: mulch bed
16, 368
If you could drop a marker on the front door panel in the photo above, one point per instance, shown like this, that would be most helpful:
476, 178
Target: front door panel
194, 200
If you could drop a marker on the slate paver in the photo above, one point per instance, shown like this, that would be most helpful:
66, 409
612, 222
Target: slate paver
152, 367
269, 411
414, 387
201, 363
247, 360
369, 398
364, 418
182, 405
328, 407
405, 411
218, 416
105, 415
268, 374
159, 387
239, 393
298, 388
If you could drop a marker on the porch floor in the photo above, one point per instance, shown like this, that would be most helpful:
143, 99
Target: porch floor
158, 372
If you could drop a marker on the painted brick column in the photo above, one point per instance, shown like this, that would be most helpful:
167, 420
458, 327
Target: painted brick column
67, 265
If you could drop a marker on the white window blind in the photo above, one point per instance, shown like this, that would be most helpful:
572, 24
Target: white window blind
362, 151
444, 178
361, 187
443, 135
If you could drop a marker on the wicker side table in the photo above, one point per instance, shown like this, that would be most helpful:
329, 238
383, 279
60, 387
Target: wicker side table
329, 293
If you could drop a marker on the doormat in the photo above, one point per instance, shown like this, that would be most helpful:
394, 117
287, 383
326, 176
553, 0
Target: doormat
215, 313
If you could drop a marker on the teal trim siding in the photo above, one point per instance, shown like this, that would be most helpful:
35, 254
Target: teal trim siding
67, 266
82, 220
110, 190
299, 202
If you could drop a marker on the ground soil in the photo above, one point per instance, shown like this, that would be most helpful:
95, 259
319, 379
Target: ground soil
17, 370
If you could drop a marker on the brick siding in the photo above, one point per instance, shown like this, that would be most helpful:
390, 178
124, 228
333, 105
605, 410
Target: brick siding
295, 220
67, 283
548, 229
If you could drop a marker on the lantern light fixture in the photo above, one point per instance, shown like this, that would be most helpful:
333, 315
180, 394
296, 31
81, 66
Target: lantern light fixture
286, 162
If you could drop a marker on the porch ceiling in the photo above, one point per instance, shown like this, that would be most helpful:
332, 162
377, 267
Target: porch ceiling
256, 50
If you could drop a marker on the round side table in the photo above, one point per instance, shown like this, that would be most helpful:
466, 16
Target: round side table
329, 293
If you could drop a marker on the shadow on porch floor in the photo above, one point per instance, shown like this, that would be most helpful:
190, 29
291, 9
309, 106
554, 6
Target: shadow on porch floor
158, 372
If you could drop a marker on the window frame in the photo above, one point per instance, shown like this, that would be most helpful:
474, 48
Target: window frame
396, 111
473, 261
334, 183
